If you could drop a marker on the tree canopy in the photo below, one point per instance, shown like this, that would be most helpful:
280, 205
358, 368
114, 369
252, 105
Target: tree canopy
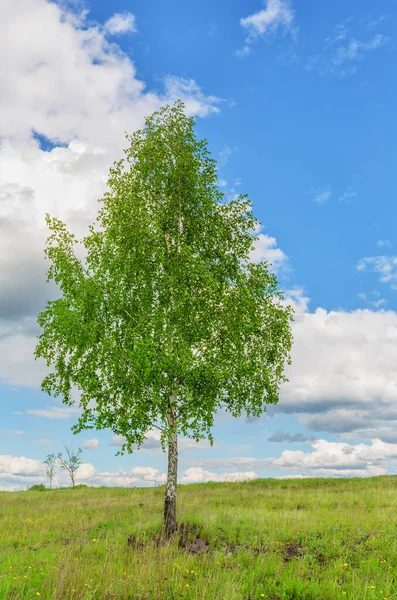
169, 319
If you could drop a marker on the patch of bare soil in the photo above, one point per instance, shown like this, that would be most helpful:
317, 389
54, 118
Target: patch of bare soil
190, 540
134, 543
292, 550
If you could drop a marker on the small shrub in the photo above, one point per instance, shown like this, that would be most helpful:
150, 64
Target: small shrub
37, 487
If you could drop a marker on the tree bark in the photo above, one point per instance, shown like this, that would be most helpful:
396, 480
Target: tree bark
172, 475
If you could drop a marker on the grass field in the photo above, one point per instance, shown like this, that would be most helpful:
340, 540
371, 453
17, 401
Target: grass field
316, 539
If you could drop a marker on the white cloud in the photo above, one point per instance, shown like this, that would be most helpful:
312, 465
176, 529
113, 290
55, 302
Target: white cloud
85, 116
199, 475
339, 458
384, 266
19, 472
343, 372
323, 197
325, 459
187, 90
101, 96
275, 17
91, 443
265, 249
120, 23
42, 442
295, 297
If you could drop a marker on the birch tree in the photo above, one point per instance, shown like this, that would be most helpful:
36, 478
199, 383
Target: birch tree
167, 319
70, 463
50, 462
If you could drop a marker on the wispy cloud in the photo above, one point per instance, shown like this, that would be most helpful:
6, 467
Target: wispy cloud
347, 195
323, 196
55, 412
224, 155
373, 23
384, 266
384, 244
276, 17
342, 52
340, 33
375, 303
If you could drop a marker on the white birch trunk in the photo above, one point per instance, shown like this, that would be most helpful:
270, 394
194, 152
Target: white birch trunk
172, 475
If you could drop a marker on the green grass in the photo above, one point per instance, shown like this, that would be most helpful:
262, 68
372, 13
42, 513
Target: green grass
314, 539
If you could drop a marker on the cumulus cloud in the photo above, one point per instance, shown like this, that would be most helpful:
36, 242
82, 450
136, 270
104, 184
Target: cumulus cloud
199, 475
276, 17
19, 472
340, 458
265, 249
343, 369
296, 298
325, 459
120, 23
59, 136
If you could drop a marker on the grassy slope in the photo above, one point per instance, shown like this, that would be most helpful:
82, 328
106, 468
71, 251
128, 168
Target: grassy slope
308, 539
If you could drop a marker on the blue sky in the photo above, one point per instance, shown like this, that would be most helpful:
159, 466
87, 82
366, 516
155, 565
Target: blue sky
297, 100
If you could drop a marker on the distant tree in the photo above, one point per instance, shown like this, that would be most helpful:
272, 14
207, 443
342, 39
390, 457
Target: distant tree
50, 462
170, 320
71, 462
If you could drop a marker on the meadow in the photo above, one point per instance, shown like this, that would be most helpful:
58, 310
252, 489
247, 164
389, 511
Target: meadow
308, 539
